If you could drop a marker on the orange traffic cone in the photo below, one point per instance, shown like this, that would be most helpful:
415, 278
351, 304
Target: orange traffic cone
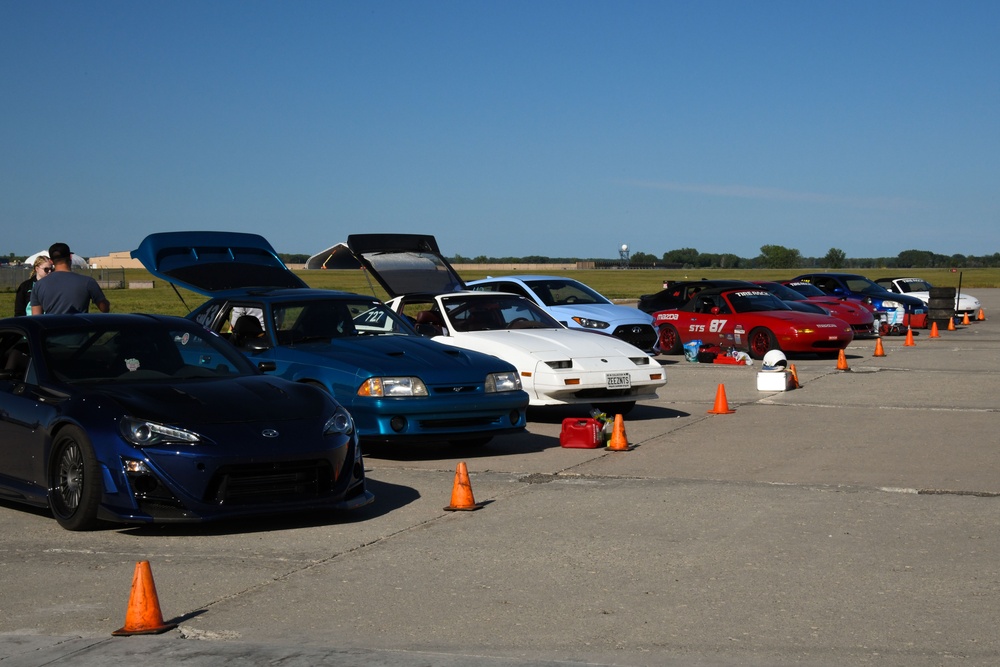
143, 616
909, 338
981, 315
461, 491
879, 350
795, 376
619, 441
965, 319
951, 324
721, 404
934, 331
842, 362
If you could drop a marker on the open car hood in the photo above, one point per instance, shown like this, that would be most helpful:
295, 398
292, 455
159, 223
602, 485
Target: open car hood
215, 263
403, 263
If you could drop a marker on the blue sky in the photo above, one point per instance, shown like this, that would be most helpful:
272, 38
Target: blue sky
504, 128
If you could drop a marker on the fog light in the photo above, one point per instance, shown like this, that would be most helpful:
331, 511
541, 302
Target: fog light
145, 484
515, 417
398, 424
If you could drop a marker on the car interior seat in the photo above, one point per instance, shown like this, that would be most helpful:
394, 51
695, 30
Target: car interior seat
16, 364
246, 328
429, 322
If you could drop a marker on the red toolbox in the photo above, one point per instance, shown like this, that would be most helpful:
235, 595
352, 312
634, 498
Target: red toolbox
581, 433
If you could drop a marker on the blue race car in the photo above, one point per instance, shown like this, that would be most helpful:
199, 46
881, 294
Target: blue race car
578, 306
893, 312
143, 418
399, 386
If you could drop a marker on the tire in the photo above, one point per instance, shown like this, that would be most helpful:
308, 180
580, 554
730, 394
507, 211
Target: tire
947, 293
760, 342
74, 481
670, 340
622, 408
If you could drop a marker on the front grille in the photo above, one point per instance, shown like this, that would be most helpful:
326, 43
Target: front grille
643, 336
452, 390
264, 483
463, 422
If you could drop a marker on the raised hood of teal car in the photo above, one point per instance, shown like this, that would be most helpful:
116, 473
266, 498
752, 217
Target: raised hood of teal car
215, 263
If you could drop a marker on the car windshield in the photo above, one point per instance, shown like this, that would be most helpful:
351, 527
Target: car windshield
483, 311
564, 292
807, 289
914, 285
110, 354
864, 286
782, 292
326, 320
755, 301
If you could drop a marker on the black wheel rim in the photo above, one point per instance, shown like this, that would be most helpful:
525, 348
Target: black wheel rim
69, 478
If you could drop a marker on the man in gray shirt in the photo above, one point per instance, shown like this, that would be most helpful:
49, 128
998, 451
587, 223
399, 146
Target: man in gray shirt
67, 292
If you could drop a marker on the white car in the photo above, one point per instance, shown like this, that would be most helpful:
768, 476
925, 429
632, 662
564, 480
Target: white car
966, 303
578, 306
557, 365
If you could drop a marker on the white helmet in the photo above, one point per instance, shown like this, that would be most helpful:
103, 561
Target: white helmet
774, 361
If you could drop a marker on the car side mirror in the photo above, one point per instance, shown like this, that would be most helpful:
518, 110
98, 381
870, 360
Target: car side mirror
715, 310
267, 366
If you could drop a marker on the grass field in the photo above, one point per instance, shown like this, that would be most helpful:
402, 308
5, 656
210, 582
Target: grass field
615, 284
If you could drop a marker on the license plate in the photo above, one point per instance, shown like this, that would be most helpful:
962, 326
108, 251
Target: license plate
618, 380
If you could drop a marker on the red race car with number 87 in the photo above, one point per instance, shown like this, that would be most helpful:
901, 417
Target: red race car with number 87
749, 319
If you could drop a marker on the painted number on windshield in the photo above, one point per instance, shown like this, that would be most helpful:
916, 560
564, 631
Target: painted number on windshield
715, 326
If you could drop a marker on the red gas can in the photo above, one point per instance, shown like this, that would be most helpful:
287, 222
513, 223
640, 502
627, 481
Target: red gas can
581, 433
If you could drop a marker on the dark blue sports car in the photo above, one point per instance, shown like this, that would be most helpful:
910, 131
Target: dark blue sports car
398, 386
142, 418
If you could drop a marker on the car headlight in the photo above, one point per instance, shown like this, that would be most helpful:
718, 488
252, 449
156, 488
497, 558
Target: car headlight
890, 304
561, 364
141, 432
500, 382
640, 361
340, 423
392, 387
588, 323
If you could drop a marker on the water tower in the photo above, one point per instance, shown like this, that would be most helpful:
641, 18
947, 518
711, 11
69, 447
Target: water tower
623, 256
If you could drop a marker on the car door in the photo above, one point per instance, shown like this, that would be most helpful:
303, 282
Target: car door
22, 417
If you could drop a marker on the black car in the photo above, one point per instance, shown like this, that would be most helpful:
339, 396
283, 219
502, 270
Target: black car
676, 294
146, 418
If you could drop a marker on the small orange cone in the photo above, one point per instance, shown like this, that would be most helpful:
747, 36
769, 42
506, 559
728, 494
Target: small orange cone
842, 362
721, 404
795, 376
981, 316
934, 331
909, 338
619, 441
461, 491
951, 324
879, 350
965, 319
143, 616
